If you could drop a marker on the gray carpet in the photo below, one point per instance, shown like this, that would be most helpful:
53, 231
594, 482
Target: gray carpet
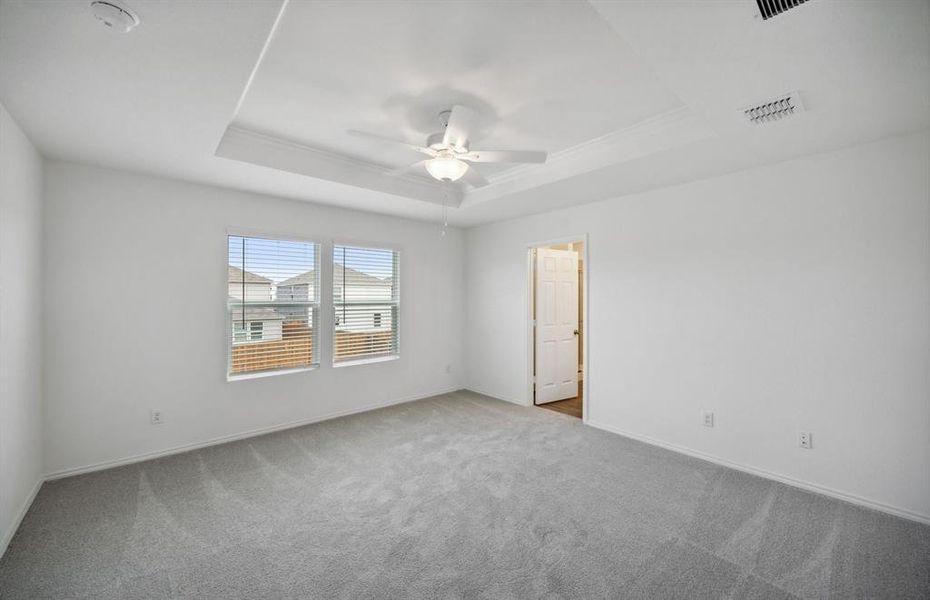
458, 496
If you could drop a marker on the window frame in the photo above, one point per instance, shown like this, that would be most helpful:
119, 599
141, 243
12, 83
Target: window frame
317, 307
324, 338
394, 303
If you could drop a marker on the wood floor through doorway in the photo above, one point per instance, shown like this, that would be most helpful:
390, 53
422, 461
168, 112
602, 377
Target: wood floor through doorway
571, 407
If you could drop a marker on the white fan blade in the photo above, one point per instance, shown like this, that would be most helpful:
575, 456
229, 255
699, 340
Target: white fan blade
475, 179
505, 156
462, 121
409, 168
373, 136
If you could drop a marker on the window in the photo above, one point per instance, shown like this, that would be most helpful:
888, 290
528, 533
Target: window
272, 304
248, 331
365, 299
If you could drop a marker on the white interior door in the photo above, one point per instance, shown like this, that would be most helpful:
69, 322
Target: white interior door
556, 325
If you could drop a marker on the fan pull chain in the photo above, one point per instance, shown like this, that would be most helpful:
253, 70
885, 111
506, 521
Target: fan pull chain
445, 220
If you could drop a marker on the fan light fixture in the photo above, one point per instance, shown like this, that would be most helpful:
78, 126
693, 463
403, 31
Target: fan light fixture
450, 157
446, 167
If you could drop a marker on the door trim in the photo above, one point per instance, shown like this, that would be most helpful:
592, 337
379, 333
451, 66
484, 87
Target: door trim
530, 347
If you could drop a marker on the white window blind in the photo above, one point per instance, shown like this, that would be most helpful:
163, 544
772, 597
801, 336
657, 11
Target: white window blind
273, 304
365, 300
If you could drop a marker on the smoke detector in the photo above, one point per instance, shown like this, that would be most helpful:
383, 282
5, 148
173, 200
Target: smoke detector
775, 109
114, 15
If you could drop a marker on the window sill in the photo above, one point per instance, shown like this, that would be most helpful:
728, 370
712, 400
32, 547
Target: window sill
262, 374
365, 361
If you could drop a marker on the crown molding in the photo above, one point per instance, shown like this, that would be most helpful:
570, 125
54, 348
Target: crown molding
263, 149
662, 132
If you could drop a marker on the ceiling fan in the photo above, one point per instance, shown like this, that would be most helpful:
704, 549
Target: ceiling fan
448, 150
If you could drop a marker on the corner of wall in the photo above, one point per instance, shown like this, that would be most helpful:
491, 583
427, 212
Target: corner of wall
21, 349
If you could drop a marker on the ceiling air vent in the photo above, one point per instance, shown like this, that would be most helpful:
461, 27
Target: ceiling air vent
774, 110
772, 8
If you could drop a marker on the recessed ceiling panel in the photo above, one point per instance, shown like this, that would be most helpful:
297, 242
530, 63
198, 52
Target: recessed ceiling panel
549, 75
542, 75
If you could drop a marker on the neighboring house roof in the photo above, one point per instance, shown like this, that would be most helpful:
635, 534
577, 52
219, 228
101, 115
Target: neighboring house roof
237, 275
302, 279
255, 313
352, 277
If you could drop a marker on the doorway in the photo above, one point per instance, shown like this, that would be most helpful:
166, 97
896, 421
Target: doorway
557, 325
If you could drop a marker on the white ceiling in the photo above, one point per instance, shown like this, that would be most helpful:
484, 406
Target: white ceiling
627, 95
390, 68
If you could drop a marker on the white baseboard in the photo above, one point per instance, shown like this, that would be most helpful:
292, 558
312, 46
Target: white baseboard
109, 464
14, 526
847, 497
804, 485
495, 396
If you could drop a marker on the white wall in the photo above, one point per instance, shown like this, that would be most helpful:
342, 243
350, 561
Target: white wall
149, 258
20, 325
790, 297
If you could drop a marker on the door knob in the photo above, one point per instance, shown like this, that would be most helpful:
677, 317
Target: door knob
575, 332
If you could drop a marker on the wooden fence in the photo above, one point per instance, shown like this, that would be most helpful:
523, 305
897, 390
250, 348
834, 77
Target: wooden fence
363, 344
295, 349
285, 353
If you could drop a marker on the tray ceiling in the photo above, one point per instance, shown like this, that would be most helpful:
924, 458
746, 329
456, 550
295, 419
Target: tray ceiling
552, 76
626, 96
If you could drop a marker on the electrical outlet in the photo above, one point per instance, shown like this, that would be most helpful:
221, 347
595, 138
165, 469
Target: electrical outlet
157, 417
708, 419
804, 440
